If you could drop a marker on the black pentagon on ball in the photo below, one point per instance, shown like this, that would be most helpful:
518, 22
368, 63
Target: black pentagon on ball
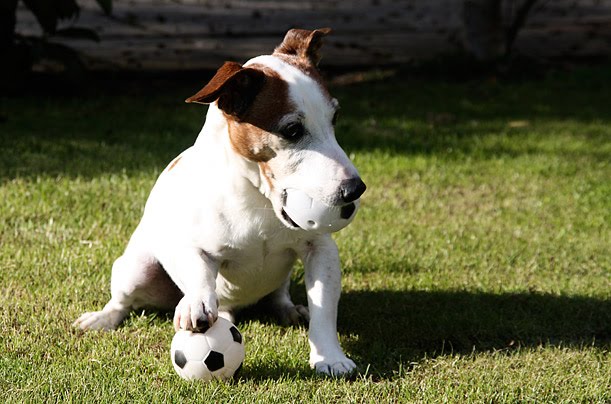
214, 361
237, 337
180, 359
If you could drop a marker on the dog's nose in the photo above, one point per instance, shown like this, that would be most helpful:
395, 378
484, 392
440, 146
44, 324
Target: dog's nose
352, 189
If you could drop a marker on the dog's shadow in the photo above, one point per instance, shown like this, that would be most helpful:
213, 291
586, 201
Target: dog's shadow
386, 330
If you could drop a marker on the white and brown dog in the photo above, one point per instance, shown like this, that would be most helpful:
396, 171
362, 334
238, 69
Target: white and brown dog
219, 231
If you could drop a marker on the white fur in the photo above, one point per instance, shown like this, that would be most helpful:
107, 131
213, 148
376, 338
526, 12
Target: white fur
213, 223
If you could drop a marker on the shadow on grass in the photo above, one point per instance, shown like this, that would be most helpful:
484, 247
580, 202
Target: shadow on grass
384, 329
411, 116
270, 371
136, 127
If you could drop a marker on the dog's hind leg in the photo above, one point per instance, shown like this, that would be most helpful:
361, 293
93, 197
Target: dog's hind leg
138, 279
280, 303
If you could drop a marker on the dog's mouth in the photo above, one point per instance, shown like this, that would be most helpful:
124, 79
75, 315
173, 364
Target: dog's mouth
288, 220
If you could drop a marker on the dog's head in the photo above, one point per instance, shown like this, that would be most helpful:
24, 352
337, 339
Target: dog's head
281, 116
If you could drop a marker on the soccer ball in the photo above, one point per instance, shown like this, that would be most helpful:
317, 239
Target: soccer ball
217, 353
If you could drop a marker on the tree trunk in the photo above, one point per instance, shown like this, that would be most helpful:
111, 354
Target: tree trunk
483, 28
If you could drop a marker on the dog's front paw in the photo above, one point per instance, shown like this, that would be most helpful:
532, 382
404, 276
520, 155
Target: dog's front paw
334, 366
195, 313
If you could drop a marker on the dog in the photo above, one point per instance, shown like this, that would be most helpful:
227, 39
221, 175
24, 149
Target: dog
217, 233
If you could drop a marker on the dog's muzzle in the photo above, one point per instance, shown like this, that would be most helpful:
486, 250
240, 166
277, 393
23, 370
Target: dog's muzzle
310, 214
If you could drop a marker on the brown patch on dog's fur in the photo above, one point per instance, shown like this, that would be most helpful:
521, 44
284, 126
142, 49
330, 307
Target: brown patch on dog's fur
303, 44
250, 134
267, 173
233, 87
301, 49
250, 141
307, 68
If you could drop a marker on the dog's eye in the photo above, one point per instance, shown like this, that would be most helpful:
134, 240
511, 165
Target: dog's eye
334, 120
293, 131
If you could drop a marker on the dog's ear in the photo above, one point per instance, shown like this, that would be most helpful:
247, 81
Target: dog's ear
303, 44
233, 86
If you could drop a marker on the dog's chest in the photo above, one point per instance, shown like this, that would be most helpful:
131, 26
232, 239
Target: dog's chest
248, 273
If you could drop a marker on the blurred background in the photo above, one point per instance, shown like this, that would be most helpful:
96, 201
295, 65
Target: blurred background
76, 36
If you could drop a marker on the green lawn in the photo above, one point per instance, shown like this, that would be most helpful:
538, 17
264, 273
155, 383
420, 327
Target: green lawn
478, 269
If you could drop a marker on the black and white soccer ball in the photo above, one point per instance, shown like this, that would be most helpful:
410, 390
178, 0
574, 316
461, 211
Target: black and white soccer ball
217, 353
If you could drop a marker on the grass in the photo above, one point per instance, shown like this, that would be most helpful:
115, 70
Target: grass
479, 268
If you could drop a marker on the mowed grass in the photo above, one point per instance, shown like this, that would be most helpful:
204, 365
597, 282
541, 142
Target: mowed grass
478, 269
